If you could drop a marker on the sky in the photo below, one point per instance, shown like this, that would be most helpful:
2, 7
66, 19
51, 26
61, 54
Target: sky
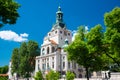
38, 16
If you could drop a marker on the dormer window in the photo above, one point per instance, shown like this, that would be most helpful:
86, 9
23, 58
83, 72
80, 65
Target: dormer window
55, 32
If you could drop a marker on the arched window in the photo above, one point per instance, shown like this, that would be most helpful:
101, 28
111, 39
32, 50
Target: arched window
47, 50
53, 49
43, 51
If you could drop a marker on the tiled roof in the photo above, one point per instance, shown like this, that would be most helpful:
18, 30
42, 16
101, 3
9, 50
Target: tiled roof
3, 74
53, 42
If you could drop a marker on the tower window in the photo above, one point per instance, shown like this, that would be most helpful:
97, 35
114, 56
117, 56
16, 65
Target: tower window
43, 51
47, 50
60, 32
49, 34
69, 34
65, 33
53, 49
55, 32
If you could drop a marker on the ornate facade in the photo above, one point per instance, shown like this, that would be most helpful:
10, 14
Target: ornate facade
52, 55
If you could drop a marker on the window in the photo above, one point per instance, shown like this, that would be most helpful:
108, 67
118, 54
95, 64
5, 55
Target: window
63, 57
55, 32
63, 65
69, 34
74, 65
68, 65
43, 51
47, 50
47, 59
47, 65
53, 58
38, 67
43, 66
52, 64
38, 61
65, 33
61, 38
49, 34
53, 49
60, 32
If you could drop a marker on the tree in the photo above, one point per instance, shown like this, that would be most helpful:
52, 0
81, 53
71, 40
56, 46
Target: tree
15, 60
4, 69
25, 58
38, 76
8, 12
86, 48
52, 75
70, 75
112, 35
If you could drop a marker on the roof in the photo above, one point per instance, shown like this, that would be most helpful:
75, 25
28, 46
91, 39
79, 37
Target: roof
3, 74
53, 42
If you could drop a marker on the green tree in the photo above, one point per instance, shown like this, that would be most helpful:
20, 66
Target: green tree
4, 69
8, 12
15, 60
25, 58
70, 75
38, 76
52, 75
112, 35
86, 49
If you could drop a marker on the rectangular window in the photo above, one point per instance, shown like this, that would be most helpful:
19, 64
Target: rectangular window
52, 64
74, 65
68, 65
47, 65
38, 67
63, 65
53, 58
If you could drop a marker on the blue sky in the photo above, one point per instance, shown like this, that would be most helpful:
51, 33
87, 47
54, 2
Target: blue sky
38, 16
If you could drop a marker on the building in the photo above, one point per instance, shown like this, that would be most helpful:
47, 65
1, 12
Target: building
52, 55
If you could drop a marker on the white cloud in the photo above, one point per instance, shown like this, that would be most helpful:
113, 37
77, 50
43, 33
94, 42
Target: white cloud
86, 29
12, 36
24, 35
74, 32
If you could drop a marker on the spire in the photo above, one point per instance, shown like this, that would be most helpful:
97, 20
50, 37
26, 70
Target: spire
59, 15
59, 20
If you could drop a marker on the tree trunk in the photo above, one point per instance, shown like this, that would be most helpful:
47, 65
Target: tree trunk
87, 73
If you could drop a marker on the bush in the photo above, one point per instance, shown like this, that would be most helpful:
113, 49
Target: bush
52, 75
38, 76
70, 75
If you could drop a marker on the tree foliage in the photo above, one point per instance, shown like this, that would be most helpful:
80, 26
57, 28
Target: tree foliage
52, 75
4, 69
112, 35
23, 58
8, 12
15, 60
86, 48
70, 75
38, 76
